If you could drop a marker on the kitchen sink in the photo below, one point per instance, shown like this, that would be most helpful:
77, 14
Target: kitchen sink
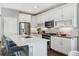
27, 37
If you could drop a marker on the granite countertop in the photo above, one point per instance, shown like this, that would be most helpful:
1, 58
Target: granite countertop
62, 36
21, 40
66, 36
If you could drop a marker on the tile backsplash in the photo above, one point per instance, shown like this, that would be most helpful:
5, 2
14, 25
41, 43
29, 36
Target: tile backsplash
69, 32
52, 30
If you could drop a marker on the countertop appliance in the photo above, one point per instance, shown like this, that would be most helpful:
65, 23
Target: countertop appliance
49, 24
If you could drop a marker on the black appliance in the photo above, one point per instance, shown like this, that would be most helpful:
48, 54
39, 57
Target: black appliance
49, 24
48, 37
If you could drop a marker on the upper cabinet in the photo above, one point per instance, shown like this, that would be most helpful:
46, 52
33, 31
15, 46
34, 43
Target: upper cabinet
64, 12
57, 14
24, 17
65, 16
64, 22
68, 11
34, 22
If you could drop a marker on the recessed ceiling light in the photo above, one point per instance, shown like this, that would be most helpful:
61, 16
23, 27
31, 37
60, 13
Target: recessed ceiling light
29, 10
35, 6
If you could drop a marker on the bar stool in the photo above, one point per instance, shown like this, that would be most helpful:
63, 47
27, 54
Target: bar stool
11, 49
15, 51
11, 43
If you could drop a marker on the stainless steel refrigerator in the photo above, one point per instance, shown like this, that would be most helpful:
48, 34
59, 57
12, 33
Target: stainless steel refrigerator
24, 28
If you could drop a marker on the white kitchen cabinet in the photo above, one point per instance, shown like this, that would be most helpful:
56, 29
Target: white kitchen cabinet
40, 20
60, 44
59, 23
65, 16
64, 23
34, 22
68, 11
39, 48
58, 14
24, 18
66, 45
52, 42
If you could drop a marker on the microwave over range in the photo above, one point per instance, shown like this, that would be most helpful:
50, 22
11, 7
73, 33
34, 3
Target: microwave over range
49, 24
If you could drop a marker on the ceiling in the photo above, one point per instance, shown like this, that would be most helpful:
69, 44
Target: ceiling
30, 8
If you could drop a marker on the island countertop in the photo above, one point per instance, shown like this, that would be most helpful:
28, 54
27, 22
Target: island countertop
21, 41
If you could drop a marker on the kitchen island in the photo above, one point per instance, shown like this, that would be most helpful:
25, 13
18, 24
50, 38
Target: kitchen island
37, 46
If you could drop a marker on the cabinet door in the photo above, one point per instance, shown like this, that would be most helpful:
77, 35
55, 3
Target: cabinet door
58, 44
52, 42
58, 14
68, 11
59, 23
34, 21
66, 45
39, 48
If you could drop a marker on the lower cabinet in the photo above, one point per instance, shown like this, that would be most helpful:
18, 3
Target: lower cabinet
66, 45
60, 44
38, 48
52, 42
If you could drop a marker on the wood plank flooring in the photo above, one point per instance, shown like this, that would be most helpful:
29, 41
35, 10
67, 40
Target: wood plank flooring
55, 53
51, 53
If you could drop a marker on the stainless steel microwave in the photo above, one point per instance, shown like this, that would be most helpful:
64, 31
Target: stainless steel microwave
49, 24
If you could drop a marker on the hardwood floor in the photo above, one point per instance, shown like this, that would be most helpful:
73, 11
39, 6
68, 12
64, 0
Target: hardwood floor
52, 53
55, 53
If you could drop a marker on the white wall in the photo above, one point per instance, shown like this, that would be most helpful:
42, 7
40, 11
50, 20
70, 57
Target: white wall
10, 21
24, 17
10, 25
